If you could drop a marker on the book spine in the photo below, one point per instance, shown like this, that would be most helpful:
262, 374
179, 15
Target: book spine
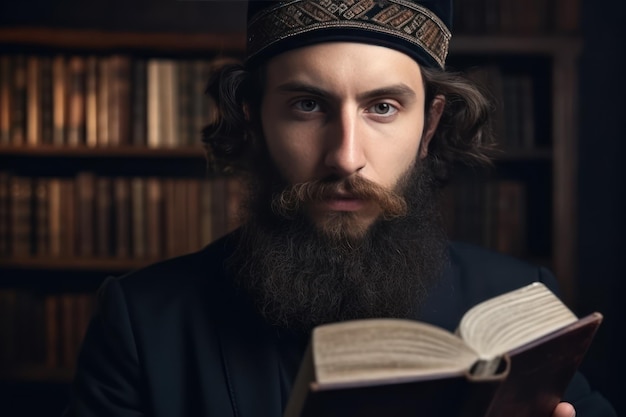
154, 129
47, 101
170, 216
168, 102
184, 103
54, 217
18, 101
68, 218
91, 102
66, 322
59, 80
122, 217
510, 215
52, 331
139, 102
104, 75
104, 217
85, 187
33, 101
83, 304
42, 240
119, 100
154, 218
21, 216
5, 99
5, 248
76, 101
138, 213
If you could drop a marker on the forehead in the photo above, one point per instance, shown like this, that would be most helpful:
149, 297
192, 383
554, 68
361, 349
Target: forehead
344, 67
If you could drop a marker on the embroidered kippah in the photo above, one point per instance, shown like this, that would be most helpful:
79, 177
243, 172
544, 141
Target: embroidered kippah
409, 26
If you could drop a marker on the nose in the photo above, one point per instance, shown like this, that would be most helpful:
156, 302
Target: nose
345, 153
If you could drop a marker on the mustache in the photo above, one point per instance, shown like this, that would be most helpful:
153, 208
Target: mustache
292, 198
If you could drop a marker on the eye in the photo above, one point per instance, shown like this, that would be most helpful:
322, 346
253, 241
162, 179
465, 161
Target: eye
383, 109
307, 105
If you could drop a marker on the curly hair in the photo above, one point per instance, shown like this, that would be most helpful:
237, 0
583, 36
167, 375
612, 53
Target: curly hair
463, 135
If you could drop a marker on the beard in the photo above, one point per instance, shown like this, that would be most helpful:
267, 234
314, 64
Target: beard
300, 273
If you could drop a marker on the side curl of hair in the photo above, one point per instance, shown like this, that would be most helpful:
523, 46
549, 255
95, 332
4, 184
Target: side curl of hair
463, 135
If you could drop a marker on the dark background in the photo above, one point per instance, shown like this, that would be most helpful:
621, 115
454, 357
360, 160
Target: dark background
601, 205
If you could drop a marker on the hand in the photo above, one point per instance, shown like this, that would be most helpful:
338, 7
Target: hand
564, 410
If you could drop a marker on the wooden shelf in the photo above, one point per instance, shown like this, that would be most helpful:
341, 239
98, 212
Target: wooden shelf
34, 373
47, 151
553, 45
75, 264
98, 40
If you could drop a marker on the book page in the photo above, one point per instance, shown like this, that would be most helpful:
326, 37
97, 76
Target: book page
374, 349
503, 323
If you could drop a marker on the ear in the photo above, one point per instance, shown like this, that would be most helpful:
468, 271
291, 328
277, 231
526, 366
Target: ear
434, 115
246, 111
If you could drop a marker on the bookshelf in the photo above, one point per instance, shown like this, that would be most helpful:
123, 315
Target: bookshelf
549, 62
541, 176
106, 206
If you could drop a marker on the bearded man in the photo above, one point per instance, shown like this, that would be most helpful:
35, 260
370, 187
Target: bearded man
345, 126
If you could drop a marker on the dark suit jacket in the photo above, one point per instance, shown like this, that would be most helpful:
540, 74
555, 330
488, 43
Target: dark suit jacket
175, 339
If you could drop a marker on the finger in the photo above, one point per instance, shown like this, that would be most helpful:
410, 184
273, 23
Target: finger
564, 410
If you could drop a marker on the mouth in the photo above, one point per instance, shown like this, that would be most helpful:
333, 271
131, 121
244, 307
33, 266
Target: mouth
343, 202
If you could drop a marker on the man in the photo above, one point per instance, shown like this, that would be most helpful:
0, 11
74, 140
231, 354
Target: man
346, 127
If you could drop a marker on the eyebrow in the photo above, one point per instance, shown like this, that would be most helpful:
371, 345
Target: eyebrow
394, 90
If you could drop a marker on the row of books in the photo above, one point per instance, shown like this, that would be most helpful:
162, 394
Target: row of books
42, 330
102, 100
513, 95
492, 214
530, 17
113, 217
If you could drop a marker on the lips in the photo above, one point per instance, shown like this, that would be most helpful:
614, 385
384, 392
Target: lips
343, 202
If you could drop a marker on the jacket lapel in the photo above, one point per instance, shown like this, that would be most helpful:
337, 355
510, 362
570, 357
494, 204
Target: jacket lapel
250, 363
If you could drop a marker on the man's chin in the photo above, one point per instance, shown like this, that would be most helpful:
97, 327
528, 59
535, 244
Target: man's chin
343, 226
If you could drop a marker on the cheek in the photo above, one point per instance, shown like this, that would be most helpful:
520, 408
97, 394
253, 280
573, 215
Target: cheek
397, 157
291, 151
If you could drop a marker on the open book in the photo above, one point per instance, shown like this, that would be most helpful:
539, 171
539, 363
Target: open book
512, 355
